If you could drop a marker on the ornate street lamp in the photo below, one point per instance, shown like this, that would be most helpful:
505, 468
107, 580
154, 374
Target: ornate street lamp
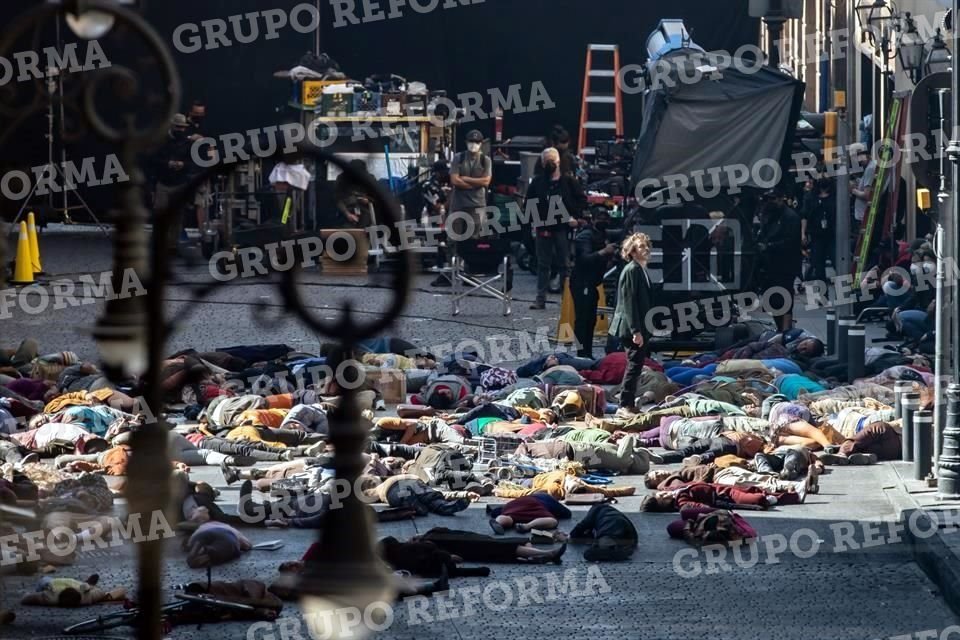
133, 331
874, 16
938, 57
911, 48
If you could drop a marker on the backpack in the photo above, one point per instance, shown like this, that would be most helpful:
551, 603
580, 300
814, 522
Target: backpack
532, 397
717, 527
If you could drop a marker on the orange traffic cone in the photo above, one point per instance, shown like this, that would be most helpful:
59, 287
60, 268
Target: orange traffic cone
603, 323
34, 243
23, 273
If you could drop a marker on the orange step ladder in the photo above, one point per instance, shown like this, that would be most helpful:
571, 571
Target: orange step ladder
591, 96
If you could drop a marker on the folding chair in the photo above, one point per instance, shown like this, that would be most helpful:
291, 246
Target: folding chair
480, 264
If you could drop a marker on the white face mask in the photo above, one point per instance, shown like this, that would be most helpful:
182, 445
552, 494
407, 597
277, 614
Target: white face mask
473, 147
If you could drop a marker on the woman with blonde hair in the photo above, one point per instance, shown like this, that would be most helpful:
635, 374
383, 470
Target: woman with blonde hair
630, 318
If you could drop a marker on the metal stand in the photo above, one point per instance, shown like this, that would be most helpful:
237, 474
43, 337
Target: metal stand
54, 86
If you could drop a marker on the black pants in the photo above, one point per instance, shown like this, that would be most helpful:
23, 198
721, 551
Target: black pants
254, 450
586, 299
707, 449
552, 246
819, 249
636, 356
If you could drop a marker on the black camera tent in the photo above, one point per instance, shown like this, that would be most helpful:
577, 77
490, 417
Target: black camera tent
705, 117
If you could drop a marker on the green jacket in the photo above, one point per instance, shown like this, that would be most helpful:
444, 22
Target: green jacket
633, 303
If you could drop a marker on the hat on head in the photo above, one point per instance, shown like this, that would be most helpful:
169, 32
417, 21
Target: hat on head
474, 136
179, 120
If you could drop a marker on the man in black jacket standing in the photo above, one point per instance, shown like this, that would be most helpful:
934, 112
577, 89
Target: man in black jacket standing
819, 211
591, 259
781, 256
558, 200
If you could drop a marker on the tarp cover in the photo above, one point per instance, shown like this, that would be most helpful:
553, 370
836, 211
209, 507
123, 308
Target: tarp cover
735, 116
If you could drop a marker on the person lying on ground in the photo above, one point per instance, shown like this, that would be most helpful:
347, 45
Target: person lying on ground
214, 543
426, 559
701, 494
613, 537
476, 547
410, 491
394, 361
539, 364
69, 593
665, 480
419, 431
196, 502
244, 449
706, 450
558, 484
626, 457
535, 511
876, 441
180, 449
264, 478
787, 462
12, 452
299, 510
55, 438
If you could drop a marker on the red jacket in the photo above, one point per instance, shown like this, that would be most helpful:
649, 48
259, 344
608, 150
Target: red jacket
701, 494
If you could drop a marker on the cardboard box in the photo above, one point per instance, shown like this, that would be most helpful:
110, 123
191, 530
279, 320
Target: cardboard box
344, 263
391, 383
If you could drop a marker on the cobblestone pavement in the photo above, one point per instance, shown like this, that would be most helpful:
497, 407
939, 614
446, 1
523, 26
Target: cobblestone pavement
866, 593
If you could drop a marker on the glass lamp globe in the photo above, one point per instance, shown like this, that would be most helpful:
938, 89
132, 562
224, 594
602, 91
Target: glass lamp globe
90, 25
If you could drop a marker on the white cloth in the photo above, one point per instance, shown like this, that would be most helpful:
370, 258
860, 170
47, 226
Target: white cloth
295, 175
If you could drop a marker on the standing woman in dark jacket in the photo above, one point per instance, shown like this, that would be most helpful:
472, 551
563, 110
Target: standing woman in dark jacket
630, 318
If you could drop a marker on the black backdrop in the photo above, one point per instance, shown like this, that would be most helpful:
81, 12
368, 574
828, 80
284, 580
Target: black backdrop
475, 48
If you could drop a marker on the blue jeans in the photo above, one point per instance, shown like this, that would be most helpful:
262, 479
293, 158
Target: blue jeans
915, 323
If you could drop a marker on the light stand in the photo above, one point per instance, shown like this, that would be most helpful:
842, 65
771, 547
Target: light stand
55, 87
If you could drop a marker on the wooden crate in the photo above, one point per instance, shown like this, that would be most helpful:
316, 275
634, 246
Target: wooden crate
353, 265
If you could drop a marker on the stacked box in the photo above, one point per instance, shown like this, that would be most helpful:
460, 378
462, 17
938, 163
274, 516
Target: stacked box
338, 100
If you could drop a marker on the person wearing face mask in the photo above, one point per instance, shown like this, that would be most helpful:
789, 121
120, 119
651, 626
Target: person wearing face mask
591, 258
470, 175
204, 195
172, 165
780, 252
558, 201
198, 113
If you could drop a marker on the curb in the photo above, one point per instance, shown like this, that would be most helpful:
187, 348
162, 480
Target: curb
933, 555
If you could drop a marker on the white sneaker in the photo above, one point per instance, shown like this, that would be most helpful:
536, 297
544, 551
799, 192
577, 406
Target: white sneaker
623, 413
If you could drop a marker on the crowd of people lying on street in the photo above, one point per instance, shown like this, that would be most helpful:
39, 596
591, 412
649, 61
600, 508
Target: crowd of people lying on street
753, 426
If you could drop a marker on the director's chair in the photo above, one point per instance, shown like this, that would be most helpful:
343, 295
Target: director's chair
479, 265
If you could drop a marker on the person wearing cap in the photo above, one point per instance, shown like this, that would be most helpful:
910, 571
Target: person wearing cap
779, 248
470, 175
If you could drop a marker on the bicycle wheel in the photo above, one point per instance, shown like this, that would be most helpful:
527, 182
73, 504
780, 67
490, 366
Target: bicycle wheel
102, 623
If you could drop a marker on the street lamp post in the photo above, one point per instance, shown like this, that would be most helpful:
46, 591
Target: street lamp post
911, 49
132, 334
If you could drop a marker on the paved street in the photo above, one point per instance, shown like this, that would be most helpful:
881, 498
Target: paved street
858, 594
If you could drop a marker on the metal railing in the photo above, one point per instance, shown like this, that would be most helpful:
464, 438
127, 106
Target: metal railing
136, 328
